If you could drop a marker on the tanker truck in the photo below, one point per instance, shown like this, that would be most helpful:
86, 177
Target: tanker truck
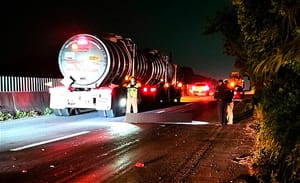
96, 71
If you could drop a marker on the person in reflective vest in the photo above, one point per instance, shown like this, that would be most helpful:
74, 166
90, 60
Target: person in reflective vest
132, 96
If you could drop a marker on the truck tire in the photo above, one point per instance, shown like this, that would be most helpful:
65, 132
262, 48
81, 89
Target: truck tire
110, 113
116, 110
107, 113
102, 113
62, 112
57, 112
66, 112
75, 111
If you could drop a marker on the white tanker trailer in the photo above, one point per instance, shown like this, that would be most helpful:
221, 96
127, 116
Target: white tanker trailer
96, 71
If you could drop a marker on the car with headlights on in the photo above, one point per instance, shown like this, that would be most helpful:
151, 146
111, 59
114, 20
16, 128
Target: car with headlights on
200, 89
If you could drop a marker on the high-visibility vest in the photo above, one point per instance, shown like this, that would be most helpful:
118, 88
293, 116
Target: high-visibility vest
132, 90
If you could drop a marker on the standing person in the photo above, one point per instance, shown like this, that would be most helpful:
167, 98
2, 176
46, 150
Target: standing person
132, 96
221, 103
230, 105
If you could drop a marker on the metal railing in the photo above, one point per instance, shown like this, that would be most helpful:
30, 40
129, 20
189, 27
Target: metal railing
26, 84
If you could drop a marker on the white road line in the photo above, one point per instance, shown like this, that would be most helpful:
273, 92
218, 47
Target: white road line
186, 123
48, 141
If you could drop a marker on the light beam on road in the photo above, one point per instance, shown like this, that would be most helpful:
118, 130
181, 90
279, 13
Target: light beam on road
48, 141
188, 123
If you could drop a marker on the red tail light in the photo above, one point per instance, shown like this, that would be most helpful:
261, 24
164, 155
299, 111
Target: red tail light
82, 41
145, 90
152, 90
149, 90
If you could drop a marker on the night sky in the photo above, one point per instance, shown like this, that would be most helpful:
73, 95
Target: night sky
34, 32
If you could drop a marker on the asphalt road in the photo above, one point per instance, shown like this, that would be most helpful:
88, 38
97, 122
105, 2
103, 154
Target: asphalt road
87, 148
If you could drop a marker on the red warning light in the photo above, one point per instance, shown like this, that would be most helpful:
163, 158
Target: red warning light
81, 43
82, 40
145, 90
139, 164
149, 90
152, 89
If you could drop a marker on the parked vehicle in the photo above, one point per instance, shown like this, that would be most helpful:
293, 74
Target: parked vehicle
237, 84
200, 88
238, 93
97, 69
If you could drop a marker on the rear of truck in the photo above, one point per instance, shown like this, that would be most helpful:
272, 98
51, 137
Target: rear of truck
86, 64
96, 72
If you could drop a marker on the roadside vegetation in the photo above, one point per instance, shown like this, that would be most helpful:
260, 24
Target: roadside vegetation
22, 114
264, 37
243, 107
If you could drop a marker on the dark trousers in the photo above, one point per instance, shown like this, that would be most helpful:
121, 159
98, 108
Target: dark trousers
222, 106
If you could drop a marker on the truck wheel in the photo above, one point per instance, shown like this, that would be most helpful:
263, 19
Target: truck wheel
66, 112
57, 112
116, 110
102, 113
107, 113
75, 111
110, 113
62, 112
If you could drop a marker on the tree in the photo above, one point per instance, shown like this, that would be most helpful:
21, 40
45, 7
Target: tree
266, 44
225, 22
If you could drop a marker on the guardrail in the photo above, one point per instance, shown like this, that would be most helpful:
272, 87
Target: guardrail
26, 84
25, 93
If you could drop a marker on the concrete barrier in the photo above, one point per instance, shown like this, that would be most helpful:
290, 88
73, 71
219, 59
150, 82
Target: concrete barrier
24, 101
158, 117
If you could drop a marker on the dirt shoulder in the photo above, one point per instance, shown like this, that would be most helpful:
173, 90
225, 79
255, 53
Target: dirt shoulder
228, 159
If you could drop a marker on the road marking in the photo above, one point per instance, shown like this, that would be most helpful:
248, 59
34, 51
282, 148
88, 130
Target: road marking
185, 123
48, 141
